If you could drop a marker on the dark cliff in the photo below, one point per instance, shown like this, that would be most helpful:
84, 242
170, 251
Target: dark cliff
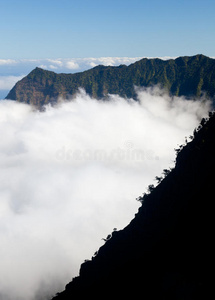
167, 250
187, 76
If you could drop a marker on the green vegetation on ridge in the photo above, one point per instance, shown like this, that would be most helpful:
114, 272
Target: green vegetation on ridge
187, 76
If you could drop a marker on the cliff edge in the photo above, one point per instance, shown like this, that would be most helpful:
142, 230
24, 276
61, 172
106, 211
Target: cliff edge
167, 250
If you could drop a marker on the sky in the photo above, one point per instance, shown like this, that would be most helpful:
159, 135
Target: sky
97, 28
72, 36
71, 174
66, 173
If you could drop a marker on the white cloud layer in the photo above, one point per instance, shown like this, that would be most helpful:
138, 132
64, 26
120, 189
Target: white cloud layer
7, 82
71, 174
7, 62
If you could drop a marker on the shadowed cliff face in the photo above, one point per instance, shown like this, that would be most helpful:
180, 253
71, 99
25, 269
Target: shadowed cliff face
167, 251
184, 76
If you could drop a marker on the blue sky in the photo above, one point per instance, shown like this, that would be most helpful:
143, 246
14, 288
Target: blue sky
92, 28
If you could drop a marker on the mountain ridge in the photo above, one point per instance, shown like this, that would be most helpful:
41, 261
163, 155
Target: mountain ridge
188, 76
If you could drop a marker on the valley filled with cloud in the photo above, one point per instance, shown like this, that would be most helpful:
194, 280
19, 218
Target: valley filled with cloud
71, 174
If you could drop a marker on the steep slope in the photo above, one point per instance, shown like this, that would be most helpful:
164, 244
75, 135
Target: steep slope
167, 251
187, 76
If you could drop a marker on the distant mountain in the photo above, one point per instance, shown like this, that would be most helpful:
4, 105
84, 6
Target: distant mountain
187, 76
167, 250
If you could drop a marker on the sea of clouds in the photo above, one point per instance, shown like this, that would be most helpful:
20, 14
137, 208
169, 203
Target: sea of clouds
71, 174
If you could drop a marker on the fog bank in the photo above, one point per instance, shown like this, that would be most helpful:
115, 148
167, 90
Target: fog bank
71, 174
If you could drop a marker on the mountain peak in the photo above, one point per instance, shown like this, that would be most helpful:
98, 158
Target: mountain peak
40, 71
